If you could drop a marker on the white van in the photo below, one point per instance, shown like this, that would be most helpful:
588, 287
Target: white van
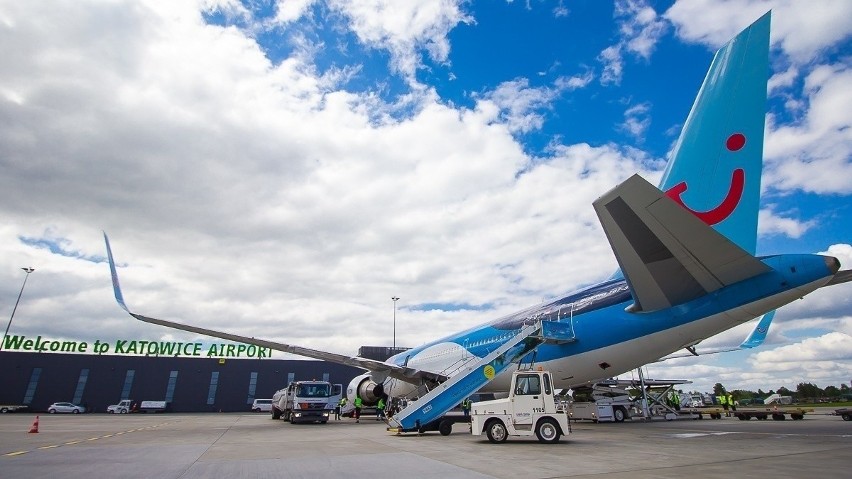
262, 405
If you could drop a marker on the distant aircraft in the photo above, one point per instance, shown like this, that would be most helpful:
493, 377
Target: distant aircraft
686, 253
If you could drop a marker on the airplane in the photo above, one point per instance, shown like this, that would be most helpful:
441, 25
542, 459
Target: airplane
685, 250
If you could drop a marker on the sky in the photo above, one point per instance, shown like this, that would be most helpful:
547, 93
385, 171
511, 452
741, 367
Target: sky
281, 169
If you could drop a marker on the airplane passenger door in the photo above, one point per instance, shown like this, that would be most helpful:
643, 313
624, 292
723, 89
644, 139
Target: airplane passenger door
528, 398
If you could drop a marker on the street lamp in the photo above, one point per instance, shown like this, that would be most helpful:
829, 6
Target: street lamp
28, 271
395, 299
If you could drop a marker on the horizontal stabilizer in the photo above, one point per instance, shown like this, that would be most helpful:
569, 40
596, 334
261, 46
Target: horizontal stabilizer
668, 255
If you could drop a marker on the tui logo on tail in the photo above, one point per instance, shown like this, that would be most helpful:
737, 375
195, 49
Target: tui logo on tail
718, 214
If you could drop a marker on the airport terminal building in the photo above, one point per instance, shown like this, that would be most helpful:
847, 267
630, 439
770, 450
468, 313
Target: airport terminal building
188, 384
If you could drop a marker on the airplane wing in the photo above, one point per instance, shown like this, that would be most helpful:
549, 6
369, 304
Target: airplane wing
668, 255
841, 277
754, 339
403, 373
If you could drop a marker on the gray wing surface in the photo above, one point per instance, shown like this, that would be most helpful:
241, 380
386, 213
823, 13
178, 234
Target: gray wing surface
403, 373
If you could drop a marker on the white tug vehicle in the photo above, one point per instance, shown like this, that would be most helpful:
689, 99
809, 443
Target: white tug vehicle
530, 409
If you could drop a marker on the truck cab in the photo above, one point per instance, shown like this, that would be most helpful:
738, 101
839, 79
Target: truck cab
306, 401
530, 409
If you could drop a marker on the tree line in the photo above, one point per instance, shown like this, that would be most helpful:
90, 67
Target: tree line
805, 392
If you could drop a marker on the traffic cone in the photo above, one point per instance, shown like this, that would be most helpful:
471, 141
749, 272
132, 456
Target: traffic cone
35, 426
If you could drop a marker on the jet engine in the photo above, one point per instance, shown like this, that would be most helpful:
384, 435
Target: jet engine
370, 390
365, 387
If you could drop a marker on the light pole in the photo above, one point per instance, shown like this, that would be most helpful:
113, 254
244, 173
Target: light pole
395, 299
27, 270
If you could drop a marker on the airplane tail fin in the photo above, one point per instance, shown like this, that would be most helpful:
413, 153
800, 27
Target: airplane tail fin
715, 167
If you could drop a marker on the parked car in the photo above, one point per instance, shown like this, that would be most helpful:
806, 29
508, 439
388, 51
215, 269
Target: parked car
262, 405
65, 407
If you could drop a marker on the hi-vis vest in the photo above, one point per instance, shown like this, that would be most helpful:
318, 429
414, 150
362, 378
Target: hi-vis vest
357, 401
723, 399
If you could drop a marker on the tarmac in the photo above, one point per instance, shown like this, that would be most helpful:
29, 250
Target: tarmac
234, 445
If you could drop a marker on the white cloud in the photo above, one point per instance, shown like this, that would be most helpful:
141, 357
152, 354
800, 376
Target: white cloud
287, 11
613, 62
800, 28
637, 120
640, 28
815, 154
769, 223
404, 28
833, 347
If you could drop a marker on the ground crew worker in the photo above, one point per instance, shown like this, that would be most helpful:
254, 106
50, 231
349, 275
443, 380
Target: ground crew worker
340, 405
674, 400
731, 403
358, 403
723, 400
380, 409
466, 407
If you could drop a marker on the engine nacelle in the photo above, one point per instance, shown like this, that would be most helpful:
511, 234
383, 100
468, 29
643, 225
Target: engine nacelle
371, 390
365, 387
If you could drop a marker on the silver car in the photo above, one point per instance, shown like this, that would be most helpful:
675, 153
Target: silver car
262, 405
59, 407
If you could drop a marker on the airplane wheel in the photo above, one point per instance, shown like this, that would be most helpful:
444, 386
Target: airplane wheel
547, 431
496, 431
276, 414
445, 427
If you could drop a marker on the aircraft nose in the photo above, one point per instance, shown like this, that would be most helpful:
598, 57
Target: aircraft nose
832, 263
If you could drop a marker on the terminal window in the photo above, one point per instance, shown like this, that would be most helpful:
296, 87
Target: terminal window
31, 387
170, 390
81, 386
252, 388
128, 383
214, 384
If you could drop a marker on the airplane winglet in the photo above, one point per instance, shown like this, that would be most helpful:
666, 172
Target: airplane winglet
757, 336
116, 288
754, 339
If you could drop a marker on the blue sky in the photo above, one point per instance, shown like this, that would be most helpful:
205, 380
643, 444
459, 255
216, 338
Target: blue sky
281, 169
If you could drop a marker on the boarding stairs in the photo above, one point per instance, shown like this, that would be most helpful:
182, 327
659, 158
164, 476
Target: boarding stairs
477, 373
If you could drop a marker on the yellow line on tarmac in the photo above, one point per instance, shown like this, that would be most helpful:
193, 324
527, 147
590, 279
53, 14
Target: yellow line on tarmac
18, 453
50, 447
